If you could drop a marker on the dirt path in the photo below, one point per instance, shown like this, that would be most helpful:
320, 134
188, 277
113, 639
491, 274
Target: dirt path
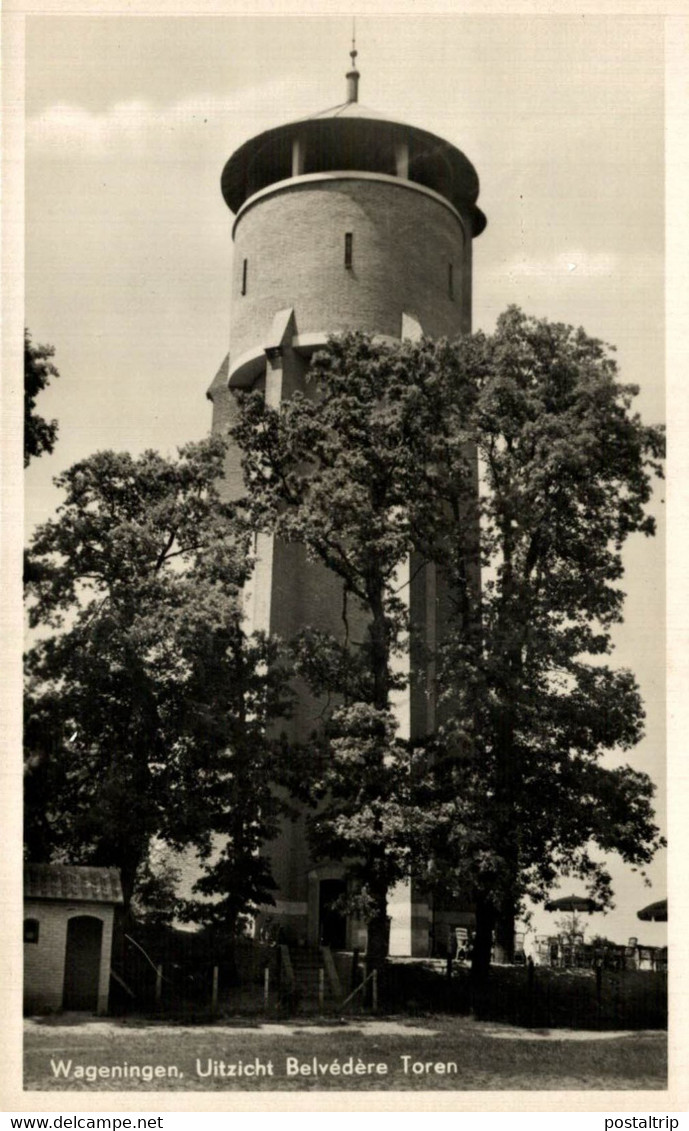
368, 1027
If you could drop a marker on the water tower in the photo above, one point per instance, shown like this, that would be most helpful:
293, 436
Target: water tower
347, 220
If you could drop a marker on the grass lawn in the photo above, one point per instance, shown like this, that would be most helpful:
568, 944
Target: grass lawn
429, 1053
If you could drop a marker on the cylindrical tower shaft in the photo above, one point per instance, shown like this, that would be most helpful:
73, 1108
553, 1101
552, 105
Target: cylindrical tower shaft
344, 221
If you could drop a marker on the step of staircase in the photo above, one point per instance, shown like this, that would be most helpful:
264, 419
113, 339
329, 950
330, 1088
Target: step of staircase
307, 963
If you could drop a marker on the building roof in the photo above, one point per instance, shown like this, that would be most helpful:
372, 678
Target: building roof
350, 137
267, 158
350, 110
72, 882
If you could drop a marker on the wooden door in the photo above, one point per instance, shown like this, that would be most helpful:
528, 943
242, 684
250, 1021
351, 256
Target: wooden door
82, 962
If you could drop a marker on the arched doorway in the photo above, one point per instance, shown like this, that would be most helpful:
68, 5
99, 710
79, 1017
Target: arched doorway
82, 962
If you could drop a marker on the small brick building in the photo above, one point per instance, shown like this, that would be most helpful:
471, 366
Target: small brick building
68, 920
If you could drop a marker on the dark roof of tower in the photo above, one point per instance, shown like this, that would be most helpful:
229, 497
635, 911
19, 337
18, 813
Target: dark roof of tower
434, 162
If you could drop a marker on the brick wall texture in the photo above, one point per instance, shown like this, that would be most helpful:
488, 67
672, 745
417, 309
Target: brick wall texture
402, 244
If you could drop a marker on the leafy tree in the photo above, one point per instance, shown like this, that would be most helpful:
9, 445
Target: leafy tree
531, 703
147, 705
572, 926
601, 942
155, 900
329, 471
379, 460
39, 434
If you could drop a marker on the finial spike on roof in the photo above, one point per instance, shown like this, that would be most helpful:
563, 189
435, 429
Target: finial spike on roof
353, 74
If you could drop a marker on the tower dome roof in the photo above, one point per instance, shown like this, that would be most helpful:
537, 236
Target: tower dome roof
352, 137
350, 110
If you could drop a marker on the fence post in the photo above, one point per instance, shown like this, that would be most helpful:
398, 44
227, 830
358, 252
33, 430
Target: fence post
214, 995
599, 986
159, 984
266, 986
530, 989
374, 980
321, 989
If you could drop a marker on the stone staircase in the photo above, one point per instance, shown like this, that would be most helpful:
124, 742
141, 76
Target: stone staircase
315, 984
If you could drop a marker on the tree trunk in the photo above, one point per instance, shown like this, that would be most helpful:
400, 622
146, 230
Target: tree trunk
504, 929
508, 786
128, 867
483, 940
380, 649
118, 955
378, 938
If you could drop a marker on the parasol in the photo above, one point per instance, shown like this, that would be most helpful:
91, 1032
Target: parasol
573, 903
654, 913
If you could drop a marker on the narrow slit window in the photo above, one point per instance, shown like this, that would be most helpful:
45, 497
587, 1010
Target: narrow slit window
450, 281
348, 249
31, 930
245, 266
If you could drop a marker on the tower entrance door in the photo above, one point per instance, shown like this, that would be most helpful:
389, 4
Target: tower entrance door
332, 924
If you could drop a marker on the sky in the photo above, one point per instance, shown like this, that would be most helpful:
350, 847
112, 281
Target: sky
129, 121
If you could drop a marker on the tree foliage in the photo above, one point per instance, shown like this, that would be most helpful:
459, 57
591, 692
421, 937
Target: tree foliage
39, 434
517, 453
532, 702
572, 927
147, 705
330, 471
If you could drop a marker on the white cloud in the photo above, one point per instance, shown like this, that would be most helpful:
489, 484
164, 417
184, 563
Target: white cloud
569, 262
139, 129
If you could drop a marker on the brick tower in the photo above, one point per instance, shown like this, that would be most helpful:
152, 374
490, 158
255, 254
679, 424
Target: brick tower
347, 220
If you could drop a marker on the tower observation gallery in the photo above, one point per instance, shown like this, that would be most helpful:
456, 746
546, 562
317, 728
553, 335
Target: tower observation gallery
346, 220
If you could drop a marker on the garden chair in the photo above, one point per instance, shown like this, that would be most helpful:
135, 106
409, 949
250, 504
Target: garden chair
462, 938
584, 956
519, 955
566, 951
542, 945
617, 956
